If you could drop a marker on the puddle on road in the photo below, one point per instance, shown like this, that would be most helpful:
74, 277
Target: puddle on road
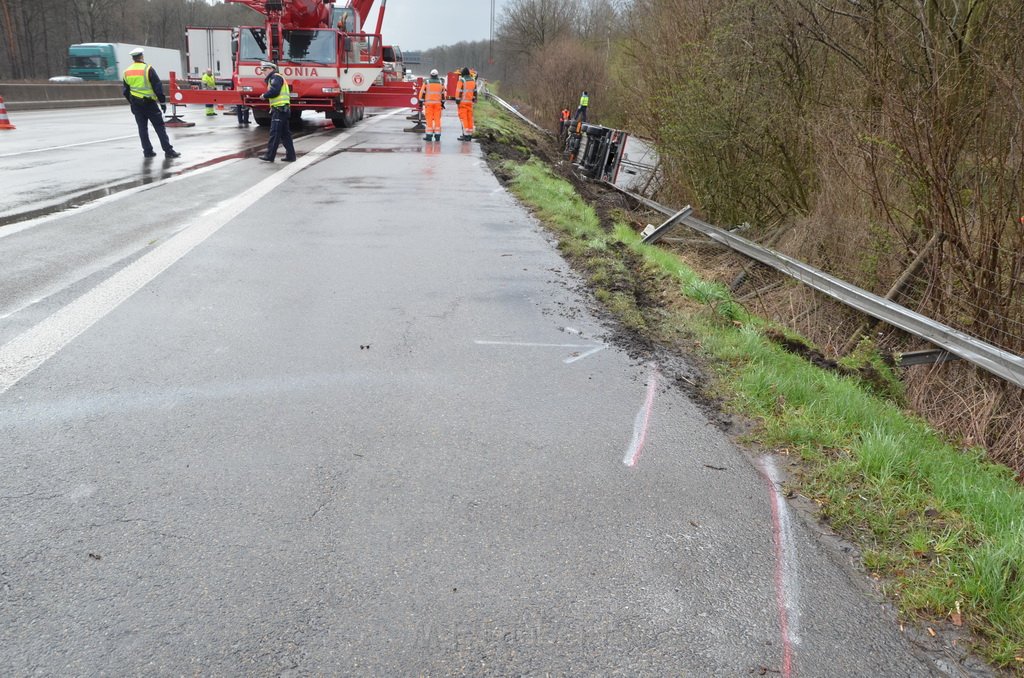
159, 169
153, 170
151, 174
391, 149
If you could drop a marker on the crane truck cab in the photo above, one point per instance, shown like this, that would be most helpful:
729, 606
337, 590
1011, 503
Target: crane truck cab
394, 67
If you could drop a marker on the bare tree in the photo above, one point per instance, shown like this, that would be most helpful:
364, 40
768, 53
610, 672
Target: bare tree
528, 25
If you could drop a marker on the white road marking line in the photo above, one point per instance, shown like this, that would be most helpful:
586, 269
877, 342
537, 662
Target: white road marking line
593, 348
586, 354
39, 221
57, 148
23, 354
534, 344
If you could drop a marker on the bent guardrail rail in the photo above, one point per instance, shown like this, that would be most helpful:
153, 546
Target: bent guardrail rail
991, 358
514, 111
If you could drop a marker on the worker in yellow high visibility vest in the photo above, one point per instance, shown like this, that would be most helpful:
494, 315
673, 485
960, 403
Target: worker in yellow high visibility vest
279, 95
209, 82
143, 90
581, 111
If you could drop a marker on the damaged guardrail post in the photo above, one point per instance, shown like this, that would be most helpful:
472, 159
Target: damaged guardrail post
652, 235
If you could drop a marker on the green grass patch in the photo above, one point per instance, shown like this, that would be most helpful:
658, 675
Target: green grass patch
491, 121
941, 527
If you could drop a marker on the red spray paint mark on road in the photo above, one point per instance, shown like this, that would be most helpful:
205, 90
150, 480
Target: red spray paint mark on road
786, 581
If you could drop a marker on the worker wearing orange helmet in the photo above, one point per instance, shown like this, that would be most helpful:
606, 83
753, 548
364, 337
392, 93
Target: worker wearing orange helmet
465, 94
432, 101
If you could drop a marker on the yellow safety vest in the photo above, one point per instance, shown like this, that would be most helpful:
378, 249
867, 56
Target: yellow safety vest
284, 98
136, 77
209, 82
584, 101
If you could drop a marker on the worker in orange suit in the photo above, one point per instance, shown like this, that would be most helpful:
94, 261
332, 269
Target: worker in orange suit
432, 101
563, 122
465, 94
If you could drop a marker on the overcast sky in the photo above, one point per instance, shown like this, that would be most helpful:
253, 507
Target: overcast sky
422, 24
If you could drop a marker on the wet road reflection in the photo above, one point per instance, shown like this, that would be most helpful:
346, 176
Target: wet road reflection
62, 160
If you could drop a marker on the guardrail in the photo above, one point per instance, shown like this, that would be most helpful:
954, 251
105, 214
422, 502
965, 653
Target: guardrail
999, 362
991, 358
514, 111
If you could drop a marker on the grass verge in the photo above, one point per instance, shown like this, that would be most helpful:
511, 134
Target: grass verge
940, 528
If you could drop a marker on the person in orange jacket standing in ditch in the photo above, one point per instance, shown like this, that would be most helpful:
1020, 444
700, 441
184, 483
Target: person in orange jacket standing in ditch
432, 101
465, 94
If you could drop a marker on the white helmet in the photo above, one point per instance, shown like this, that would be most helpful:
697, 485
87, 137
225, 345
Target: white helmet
136, 52
433, 73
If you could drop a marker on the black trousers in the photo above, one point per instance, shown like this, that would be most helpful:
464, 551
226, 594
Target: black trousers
243, 114
280, 133
148, 113
581, 113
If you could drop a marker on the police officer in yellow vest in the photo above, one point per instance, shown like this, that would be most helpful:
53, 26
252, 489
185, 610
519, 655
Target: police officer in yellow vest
581, 111
143, 89
209, 82
279, 96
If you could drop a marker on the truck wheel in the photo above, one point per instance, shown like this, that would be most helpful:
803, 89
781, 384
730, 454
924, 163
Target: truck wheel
342, 120
262, 119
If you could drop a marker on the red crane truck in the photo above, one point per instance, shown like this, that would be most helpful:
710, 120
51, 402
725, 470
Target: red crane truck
331, 64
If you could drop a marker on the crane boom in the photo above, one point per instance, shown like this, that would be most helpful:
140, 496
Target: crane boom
297, 13
362, 7
308, 13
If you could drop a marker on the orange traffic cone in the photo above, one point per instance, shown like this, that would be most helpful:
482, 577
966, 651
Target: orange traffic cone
5, 122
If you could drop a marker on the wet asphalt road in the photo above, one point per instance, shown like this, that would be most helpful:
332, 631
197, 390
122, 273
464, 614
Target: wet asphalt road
359, 418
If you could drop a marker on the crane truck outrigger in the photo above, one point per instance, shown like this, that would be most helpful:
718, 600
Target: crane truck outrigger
332, 65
